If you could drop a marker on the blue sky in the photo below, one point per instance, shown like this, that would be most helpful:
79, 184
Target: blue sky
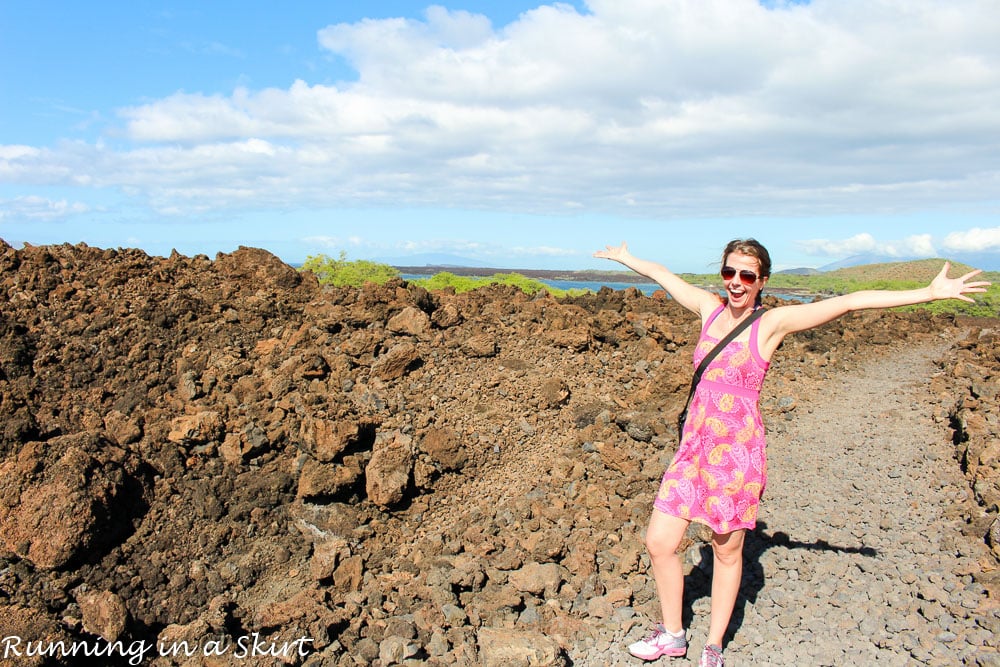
514, 134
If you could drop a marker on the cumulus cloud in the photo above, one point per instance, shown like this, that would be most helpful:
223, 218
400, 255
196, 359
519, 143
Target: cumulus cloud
324, 241
543, 251
832, 248
481, 250
918, 245
973, 240
335, 242
39, 209
453, 245
665, 108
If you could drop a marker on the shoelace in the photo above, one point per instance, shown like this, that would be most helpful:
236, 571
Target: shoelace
711, 657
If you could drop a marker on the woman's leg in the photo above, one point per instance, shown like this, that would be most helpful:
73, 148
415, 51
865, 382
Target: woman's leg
663, 536
727, 574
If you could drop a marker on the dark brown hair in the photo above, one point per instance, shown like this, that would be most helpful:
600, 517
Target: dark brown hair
750, 247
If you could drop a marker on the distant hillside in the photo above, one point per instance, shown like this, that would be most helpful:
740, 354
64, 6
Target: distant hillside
802, 271
864, 260
983, 260
539, 274
920, 270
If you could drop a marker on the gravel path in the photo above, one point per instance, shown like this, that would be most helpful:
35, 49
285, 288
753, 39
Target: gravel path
859, 556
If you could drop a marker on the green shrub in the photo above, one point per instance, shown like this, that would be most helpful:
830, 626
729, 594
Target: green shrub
884, 277
986, 304
461, 284
342, 273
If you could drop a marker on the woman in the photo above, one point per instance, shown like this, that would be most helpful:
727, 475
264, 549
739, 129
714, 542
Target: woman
719, 472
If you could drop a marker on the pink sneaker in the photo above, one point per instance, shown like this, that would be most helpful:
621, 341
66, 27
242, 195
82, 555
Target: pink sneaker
658, 644
712, 656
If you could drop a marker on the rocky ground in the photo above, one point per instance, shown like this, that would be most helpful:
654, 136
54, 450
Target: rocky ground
862, 554
221, 457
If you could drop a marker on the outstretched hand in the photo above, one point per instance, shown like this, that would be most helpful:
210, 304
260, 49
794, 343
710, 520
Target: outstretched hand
943, 287
613, 252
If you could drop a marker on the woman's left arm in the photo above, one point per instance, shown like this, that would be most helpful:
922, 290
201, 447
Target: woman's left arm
780, 322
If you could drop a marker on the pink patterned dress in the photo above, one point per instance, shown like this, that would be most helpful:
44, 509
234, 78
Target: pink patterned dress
719, 472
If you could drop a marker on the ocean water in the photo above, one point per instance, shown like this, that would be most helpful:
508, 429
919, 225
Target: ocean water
645, 288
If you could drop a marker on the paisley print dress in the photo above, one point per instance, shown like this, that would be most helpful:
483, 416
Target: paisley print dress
719, 472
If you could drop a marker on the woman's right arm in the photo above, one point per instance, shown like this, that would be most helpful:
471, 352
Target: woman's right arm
693, 298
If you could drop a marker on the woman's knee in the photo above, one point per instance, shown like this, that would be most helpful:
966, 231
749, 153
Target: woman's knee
663, 536
660, 546
728, 548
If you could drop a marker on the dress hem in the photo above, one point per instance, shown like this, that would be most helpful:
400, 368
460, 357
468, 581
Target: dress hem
704, 522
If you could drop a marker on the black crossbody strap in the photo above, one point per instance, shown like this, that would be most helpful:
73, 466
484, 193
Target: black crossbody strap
711, 355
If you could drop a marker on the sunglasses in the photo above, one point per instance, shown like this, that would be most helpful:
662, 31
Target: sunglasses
747, 277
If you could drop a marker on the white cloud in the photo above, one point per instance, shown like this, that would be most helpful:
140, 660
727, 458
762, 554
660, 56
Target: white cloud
39, 209
456, 246
12, 152
973, 240
654, 108
324, 241
919, 245
544, 251
443, 245
336, 242
829, 248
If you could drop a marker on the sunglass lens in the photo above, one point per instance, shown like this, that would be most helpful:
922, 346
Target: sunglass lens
746, 277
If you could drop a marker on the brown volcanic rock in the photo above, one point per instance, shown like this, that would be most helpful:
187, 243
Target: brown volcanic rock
445, 448
975, 369
65, 497
104, 614
226, 447
388, 473
23, 627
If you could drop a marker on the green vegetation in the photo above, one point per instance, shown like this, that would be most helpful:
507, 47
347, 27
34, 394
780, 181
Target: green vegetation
355, 273
889, 276
342, 273
893, 276
460, 284
914, 275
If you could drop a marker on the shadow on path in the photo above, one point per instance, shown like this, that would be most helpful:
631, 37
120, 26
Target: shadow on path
698, 584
